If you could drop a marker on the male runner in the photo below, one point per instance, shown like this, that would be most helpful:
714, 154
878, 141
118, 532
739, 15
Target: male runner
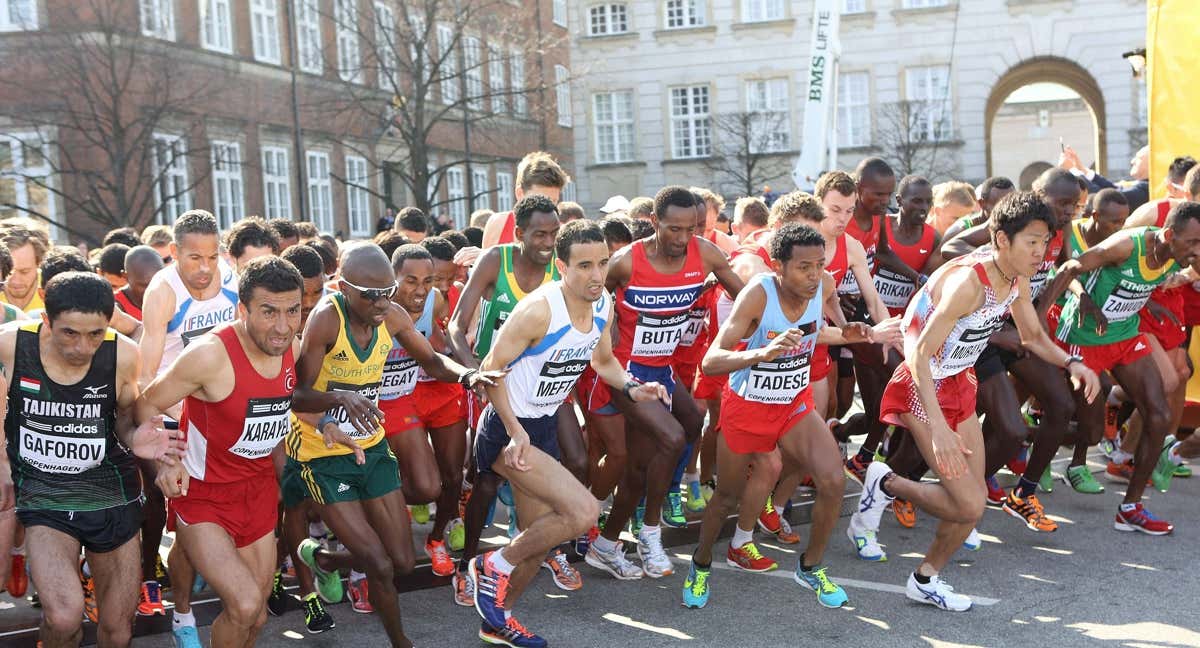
141, 264
914, 242
312, 270
990, 193
656, 281
236, 386
249, 239
71, 383
537, 175
549, 338
28, 247
933, 392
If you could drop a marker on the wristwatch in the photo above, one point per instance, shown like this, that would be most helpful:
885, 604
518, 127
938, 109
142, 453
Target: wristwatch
465, 379
1072, 359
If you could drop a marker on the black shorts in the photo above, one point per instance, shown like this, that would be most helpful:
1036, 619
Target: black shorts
491, 437
98, 531
993, 361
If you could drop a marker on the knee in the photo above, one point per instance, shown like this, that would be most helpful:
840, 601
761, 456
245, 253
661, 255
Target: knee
1171, 381
116, 632
1059, 407
583, 515
971, 507
577, 465
245, 609
426, 488
673, 440
63, 620
830, 482
380, 567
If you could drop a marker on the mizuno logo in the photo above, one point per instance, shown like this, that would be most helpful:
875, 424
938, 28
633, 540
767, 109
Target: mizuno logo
341, 355
95, 392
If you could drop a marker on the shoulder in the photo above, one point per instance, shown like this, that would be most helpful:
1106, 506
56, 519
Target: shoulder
960, 289
324, 320
854, 248
203, 357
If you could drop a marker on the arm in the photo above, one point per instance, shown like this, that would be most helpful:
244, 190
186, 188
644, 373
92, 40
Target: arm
525, 326
479, 285
440, 367
620, 269
966, 242
200, 361
614, 375
1113, 250
832, 308
886, 258
156, 313
743, 319
935, 259
857, 258
725, 242
1145, 215
1035, 339
491, 231
7, 348
124, 323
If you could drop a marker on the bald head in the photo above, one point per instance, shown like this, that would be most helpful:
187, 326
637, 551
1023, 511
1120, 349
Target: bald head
366, 265
143, 258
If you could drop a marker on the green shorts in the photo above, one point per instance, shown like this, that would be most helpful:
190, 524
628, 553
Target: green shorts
339, 479
292, 488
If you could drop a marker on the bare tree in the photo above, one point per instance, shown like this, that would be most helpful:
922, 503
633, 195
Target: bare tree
912, 136
96, 93
749, 150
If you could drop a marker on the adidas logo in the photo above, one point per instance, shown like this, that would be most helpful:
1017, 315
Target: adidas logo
341, 355
342, 488
1139, 346
503, 299
1128, 272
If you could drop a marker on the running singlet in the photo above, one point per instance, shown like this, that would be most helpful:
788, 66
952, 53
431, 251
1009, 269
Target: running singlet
400, 371
970, 334
232, 439
1038, 282
1120, 292
893, 289
693, 343
126, 305
542, 377
62, 442
505, 295
194, 317
870, 241
346, 367
782, 380
508, 231
654, 309
839, 265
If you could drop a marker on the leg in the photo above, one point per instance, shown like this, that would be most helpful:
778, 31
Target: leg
449, 444
608, 434
182, 577
154, 519
1170, 376
570, 442
418, 467
116, 577
1053, 392
655, 440
810, 445
54, 563
295, 529
483, 493
765, 470
240, 577
731, 483
708, 441
1006, 427
1142, 381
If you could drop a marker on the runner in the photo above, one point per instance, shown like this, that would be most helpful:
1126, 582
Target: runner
913, 241
141, 264
990, 193
549, 338
537, 175
71, 384
28, 247
308, 262
933, 393
249, 239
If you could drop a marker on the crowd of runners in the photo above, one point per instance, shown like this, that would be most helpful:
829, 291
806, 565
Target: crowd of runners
289, 405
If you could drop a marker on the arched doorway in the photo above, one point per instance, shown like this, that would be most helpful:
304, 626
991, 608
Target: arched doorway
1039, 73
1030, 173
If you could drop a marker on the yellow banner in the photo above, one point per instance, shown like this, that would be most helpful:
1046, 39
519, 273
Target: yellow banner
1171, 29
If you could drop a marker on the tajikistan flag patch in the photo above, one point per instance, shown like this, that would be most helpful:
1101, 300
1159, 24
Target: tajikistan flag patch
30, 385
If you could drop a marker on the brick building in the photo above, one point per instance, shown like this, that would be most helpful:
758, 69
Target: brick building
272, 107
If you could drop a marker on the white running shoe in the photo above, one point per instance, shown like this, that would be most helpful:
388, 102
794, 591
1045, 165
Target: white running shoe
872, 502
655, 562
865, 542
937, 594
613, 562
973, 543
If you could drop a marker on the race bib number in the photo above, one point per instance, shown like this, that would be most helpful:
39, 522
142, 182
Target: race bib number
370, 392
559, 374
695, 325
399, 375
1125, 300
64, 446
965, 351
893, 289
657, 336
780, 381
267, 422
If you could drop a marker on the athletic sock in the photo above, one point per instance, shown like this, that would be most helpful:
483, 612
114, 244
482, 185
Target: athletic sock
18, 551
701, 566
501, 565
1173, 454
601, 503
1126, 507
741, 537
356, 576
865, 456
182, 619
1119, 456
650, 531
604, 544
804, 566
1025, 488
921, 578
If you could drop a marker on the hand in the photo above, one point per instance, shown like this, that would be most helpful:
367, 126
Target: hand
790, 339
1089, 307
848, 304
151, 440
364, 415
949, 452
467, 256
485, 378
172, 480
650, 391
1007, 339
334, 436
1161, 313
889, 334
514, 452
7, 494
855, 332
1085, 378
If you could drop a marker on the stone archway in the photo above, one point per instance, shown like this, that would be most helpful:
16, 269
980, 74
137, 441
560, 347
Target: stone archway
1030, 173
1051, 69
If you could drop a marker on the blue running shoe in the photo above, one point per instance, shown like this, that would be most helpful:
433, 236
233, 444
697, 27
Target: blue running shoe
829, 594
695, 587
491, 588
672, 511
512, 633
186, 637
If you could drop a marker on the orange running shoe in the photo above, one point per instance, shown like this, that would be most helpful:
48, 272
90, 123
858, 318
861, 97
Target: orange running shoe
786, 535
464, 496
1112, 414
359, 601
565, 576
906, 513
89, 597
18, 580
150, 602
748, 558
1029, 510
439, 556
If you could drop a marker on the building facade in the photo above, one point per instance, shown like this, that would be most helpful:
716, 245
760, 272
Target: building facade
654, 78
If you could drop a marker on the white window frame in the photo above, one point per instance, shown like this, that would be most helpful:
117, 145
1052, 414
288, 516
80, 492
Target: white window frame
386, 41
320, 190
504, 191
349, 54
608, 19
167, 209
264, 30
456, 195
691, 124
18, 15
473, 71
933, 96
769, 102
479, 185
558, 10
763, 10
277, 190
448, 71
562, 95
683, 14
516, 67
853, 108
157, 18
20, 173
922, 4
496, 78
854, 6
358, 196
229, 199
216, 25
308, 36
613, 123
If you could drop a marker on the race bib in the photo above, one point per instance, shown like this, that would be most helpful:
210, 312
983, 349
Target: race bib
399, 375
267, 422
965, 351
780, 381
559, 374
893, 289
370, 392
657, 336
1125, 300
695, 325
62, 445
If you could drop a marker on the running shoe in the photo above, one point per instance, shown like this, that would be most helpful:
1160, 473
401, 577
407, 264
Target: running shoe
672, 510
655, 562
1183, 471
464, 497
584, 541
639, 515
419, 513
505, 494
768, 519
1112, 416
150, 602
90, 611
514, 527
1029, 510
1082, 480
1107, 447
160, 573
316, 618
613, 562
1116, 472
329, 583
864, 523
695, 498
695, 587
786, 534
277, 600
1139, 519
198, 584
456, 534
748, 558
936, 593
564, 575
1164, 470
439, 557
707, 489
464, 589
512, 634
973, 543
360, 596
905, 512
18, 580
1017, 464
186, 637
829, 594
1046, 481
491, 590
995, 494
856, 469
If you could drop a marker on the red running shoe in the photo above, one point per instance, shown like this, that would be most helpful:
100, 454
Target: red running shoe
1139, 519
18, 580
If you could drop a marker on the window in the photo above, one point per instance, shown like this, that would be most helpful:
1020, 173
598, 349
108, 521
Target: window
473, 72
504, 192
479, 185
349, 57
560, 12
172, 194
456, 195
928, 93
158, 20
762, 10
24, 173
308, 36
770, 123
385, 44
216, 26
854, 109
264, 26
562, 95
854, 6
496, 78
690, 128
228, 202
358, 196
277, 195
922, 4
681, 14
320, 195
608, 19
448, 66
612, 114
569, 193
519, 100
17, 15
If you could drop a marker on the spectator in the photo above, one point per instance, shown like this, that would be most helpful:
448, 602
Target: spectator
724, 224
412, 223
1136, 188
613, 205
641, 208
569, 211
386, 221
480, 218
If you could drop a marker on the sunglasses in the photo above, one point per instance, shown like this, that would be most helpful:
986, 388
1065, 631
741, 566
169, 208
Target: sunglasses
374, 294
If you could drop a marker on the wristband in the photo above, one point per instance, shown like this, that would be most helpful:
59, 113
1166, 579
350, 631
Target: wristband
465, 379
630, 385
1072, 360
324, 420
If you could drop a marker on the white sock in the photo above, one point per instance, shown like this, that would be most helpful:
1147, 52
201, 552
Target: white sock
649, 531
602, 503
18, 551
1119, 456
741, 537
501, 565
181, 619
604, 544
356, 576
317, 530
1173, 454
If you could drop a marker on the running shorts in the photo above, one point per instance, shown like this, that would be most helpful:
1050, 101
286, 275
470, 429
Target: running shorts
993, 361
492, 437
665, 376
750, 427
292, 489
339, 479
710, 388
247, 510
438, 404
593, 394
399, 415
1103, 357
822, 363
1170, 335
687, 373
98, 531
955, 394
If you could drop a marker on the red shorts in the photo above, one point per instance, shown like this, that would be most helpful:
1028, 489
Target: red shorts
399, 415
955, 394
822, 364
247, 510
1103, 357
438, 404
757, 427
474, 408
687, 373
710, 387
1170, 335
593, 394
